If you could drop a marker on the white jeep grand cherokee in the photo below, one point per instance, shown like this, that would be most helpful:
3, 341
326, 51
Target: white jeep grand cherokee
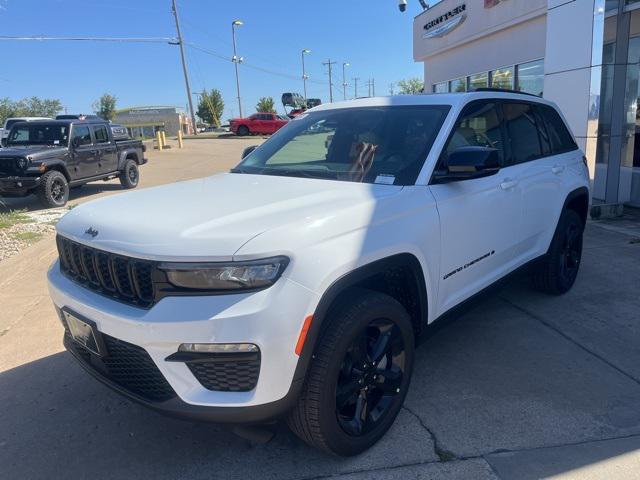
296, 285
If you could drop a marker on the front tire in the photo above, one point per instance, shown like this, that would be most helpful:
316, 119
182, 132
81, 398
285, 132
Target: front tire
557, 270
243, 131
359, 375
53, 191
130, 175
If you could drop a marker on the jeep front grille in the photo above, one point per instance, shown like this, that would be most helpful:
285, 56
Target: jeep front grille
122, 278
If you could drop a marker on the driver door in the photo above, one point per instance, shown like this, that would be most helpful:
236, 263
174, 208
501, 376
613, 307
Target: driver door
479, 218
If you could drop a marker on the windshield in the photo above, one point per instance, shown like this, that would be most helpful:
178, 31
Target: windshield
368, 145
39, 134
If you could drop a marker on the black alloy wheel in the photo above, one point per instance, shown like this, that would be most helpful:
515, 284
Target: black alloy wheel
359, 374
370, 377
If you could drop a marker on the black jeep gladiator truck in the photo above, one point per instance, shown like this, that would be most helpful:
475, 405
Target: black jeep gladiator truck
48, 157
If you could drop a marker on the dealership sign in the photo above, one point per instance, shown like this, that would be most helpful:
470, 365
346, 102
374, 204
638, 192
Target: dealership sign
446, 22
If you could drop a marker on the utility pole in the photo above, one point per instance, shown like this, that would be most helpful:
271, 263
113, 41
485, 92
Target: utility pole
330, 64
373, 86
369, 88
174, 9
391, 89
344, 81
355, 87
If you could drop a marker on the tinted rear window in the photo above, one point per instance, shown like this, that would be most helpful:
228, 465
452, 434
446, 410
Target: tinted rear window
523, 132
559, 136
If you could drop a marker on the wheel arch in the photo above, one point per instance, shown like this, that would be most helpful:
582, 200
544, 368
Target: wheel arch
395, 275
127, 155
578, 200
59, 167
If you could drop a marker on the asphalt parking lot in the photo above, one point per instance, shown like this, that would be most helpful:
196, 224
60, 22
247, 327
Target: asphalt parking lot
520, 385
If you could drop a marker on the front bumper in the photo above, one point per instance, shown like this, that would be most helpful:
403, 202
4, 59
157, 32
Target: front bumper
18, 185
270, 319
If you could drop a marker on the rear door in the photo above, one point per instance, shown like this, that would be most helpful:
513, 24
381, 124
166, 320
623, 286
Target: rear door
105, 150
83, 155
480, 218
539, 163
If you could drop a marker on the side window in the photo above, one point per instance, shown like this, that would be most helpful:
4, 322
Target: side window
559, 136
266, 116
81, 132
519, 119
100, 132
479, 126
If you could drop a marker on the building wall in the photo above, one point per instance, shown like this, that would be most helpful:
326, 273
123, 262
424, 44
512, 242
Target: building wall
511, 32
169, 119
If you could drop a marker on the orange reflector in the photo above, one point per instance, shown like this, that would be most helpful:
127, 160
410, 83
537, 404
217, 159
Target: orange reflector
303, 334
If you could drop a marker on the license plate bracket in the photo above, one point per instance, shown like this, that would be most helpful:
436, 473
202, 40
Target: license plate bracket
84, 332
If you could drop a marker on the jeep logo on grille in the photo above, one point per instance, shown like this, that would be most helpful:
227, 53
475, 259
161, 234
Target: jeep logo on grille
91, 231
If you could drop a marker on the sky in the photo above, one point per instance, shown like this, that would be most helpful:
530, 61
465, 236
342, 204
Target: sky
371, 35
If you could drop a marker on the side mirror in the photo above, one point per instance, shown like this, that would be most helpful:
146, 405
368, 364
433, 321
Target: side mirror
248, 150
466, 163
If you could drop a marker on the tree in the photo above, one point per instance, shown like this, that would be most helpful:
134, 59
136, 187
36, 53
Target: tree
411, 86
29, 107
266, 105
105, 106
211, 106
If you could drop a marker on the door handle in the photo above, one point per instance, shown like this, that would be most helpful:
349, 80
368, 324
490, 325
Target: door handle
508, 184
557, 169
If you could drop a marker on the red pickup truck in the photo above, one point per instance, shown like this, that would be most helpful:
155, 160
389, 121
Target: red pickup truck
260, 123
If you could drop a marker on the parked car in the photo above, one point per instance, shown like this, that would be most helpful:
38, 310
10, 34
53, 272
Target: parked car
258, 123
296, 286
47, 157
9, 122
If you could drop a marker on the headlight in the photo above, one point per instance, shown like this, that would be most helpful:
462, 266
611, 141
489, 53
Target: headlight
21, 163
251, 275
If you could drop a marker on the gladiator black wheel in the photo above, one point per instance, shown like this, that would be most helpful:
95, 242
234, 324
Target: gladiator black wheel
130, 175
53, 190
359, 375
557, 271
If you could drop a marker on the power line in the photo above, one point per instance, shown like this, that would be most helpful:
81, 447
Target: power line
38, 38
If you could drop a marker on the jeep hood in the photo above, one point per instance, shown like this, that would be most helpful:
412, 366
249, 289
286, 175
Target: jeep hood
212, 218
34, 152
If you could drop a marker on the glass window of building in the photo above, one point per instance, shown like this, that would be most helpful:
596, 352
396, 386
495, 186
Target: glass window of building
458, 85
531, 77
502, 78
441, 87
481, 80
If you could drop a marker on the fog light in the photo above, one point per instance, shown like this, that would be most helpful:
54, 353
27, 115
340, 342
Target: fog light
218, 347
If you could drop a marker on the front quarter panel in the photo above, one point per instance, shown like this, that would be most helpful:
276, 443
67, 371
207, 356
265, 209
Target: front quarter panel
326, 249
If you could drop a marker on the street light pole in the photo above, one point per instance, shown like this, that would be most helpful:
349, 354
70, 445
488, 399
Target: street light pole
344, 80
304, 73
355, 87
236, 60
174, 9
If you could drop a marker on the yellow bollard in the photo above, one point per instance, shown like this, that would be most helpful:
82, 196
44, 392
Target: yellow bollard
180, 144
164, 139
159, 140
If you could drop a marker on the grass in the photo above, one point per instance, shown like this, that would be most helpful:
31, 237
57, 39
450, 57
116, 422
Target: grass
29, 237
13, 218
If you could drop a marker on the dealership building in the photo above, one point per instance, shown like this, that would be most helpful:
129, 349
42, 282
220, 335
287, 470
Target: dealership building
582, 54
144, 122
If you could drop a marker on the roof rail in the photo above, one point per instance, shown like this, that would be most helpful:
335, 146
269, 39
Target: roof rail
503, 90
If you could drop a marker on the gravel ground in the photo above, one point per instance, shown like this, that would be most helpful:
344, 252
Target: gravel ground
31, 227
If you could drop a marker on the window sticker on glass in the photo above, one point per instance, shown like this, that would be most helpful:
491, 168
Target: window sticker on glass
384, 179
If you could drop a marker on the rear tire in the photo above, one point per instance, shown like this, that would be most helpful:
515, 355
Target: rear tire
359, 375
53, 191
557, 270
130, 175
243, 131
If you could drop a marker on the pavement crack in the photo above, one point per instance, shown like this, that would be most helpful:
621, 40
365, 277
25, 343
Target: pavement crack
570, 339
443, 454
